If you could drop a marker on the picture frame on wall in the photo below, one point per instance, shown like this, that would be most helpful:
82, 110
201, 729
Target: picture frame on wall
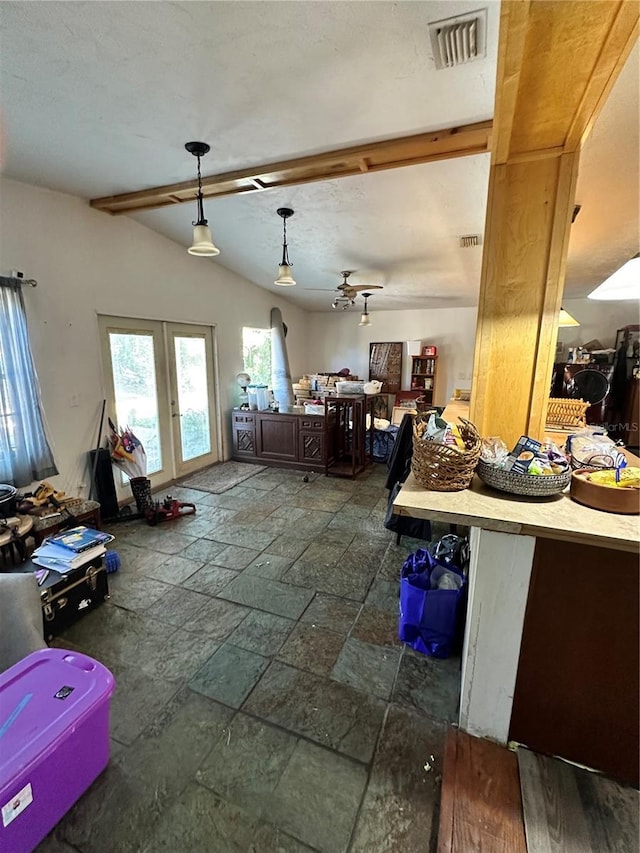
385, 365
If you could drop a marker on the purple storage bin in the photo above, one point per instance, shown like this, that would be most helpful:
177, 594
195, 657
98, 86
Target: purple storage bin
54, 740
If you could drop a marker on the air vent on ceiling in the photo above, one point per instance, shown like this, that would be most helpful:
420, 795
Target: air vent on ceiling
469, 240
458, 40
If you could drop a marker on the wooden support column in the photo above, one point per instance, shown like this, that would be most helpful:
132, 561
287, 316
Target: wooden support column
557, 62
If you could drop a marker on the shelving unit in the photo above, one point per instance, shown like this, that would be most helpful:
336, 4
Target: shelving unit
423, 375
348, 442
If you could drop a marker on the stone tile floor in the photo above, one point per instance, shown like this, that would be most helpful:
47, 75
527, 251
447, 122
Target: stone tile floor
264, 703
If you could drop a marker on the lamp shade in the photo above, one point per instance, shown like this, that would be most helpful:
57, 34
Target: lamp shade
202, 242
623, 284
285, 279
565, 319
365, 320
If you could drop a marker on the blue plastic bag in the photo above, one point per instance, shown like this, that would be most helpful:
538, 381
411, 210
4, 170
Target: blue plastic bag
429, 617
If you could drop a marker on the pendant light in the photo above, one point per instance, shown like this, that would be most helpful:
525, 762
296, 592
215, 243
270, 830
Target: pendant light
202, 241
565, 319
285, 279
365, 319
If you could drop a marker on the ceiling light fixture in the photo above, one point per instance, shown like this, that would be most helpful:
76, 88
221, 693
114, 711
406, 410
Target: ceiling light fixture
285, 279
202, 241
623, 284
565, 319
365, 319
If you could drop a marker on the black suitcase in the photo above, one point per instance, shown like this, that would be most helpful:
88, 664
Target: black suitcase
66, 597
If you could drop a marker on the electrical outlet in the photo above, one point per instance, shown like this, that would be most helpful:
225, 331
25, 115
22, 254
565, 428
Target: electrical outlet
74, 400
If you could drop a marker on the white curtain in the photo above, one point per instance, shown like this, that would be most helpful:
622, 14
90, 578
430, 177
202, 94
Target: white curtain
25, 454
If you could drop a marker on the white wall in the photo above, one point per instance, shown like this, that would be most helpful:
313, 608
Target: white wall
89, 263
337, 341
598, 320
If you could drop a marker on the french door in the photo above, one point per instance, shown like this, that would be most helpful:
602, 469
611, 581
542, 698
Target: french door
160, 382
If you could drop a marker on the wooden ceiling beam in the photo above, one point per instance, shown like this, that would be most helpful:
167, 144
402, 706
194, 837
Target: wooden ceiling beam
375, 157
557, 62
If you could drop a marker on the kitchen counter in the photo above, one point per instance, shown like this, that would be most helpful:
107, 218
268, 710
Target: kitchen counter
557, 517
550, 654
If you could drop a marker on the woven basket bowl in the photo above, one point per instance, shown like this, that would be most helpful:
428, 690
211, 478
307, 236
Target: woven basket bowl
441, 468
533, 485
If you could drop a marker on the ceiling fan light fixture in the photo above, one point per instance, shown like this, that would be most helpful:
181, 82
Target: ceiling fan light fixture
285, 278
202, 245
566, 319
624, 283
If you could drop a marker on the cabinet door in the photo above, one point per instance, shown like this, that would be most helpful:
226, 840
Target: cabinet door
244, 435
311, 441
277, 437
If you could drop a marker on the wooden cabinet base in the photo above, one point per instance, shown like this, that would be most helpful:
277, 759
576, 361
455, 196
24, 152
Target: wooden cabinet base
283, 440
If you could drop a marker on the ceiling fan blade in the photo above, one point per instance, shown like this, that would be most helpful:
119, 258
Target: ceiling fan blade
360, 287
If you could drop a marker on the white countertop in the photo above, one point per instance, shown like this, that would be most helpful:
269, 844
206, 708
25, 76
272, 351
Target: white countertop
557, 517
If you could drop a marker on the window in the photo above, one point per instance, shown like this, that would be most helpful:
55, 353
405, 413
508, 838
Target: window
256, 351
25, 455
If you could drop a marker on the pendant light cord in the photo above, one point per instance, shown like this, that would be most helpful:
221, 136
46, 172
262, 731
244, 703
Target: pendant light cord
285, 250
201, 219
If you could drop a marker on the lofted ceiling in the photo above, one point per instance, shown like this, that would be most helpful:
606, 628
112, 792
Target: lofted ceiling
100, 97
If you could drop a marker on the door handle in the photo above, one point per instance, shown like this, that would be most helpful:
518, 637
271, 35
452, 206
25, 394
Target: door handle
176, 415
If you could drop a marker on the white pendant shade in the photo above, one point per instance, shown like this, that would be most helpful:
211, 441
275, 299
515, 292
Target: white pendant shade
623, 284
285, 279
365, 320
565, 319
202, 242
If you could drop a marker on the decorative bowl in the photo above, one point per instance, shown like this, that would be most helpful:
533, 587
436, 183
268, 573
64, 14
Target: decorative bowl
531, 485
604, 498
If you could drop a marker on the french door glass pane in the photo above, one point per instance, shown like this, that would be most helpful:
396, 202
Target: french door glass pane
193, 396
134, 379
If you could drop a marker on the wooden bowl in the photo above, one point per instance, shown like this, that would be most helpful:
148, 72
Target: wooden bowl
626, 501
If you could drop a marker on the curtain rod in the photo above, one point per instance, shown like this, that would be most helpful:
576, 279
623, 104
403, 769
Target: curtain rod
30, 282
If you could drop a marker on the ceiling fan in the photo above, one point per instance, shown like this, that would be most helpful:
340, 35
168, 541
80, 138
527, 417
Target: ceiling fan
347, 292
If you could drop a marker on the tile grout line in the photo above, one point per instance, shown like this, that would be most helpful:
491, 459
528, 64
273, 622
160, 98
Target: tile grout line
369, 774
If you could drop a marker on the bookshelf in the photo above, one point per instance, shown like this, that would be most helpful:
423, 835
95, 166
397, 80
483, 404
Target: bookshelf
423, 375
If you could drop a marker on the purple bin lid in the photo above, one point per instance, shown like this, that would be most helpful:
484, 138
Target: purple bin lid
41, 697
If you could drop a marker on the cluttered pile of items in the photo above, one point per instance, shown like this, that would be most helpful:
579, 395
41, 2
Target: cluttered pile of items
128, 454
72, 568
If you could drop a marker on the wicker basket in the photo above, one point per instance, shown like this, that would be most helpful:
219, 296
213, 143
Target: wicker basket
439, 467
533, 485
